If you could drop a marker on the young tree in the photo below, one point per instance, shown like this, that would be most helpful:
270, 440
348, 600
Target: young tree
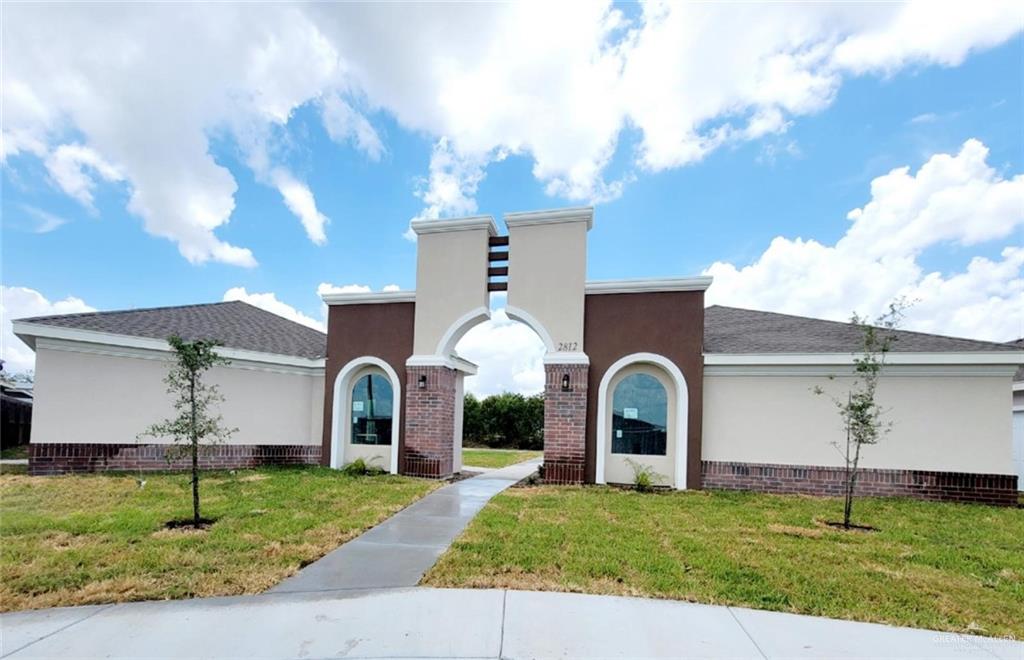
861, 414
194, 422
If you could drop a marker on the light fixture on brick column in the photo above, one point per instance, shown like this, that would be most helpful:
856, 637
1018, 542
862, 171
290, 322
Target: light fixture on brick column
422, 382
565, 382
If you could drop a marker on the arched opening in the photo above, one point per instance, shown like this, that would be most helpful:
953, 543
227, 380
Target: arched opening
642, 421
503, 403
366, 415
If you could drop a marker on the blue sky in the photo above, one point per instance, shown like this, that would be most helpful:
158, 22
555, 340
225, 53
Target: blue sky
673, 216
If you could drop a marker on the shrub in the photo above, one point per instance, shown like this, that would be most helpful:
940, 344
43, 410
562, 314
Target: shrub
644, 476
362, 468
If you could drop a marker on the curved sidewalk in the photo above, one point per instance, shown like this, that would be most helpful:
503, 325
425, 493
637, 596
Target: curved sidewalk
398, 551
463, 623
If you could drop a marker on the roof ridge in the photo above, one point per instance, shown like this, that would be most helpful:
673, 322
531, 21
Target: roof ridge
107, 312
994, 344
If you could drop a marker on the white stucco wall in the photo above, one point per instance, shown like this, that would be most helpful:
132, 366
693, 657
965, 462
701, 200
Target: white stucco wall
451, 281
546, 278
944, 423
85, 397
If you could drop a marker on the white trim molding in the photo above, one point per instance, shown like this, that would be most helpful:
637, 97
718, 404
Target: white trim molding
648, 285
682, 412
455, 224
451, 362
342, 385
1018, 386
369, 297
44, 343
551, 216
844, 370
891, 358
458, 329
566, 357
29, 332
523, 316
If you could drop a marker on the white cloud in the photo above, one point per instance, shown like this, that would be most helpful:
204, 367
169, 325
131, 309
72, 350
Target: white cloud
299, 199
952, 198
929, 33
509, 354
344, 124
145, 86
17, 302
924, 118
68, 165
389, 288
43, 221
270, 303
325, 288
450, 190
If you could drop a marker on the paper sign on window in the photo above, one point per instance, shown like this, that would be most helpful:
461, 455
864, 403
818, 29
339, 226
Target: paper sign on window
630, 413
357, 406
618, 433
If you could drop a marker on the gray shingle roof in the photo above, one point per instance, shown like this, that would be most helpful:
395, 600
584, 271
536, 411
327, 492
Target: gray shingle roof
735, 330
234, 324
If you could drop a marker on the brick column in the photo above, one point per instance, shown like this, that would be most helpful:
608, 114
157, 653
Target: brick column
565, 423
429, 422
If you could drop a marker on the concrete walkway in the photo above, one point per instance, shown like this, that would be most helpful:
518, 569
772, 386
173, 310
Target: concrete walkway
463, 623
397, 552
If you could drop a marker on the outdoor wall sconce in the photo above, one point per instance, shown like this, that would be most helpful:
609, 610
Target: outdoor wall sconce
422, 382
565, 382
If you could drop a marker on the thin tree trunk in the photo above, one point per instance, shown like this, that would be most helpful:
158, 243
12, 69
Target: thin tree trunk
195, 453
850, 476
852, 485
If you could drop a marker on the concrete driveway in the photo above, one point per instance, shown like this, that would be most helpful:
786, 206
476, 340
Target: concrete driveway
462, 623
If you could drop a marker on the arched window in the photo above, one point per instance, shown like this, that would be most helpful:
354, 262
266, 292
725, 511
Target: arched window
372, 399
639, 416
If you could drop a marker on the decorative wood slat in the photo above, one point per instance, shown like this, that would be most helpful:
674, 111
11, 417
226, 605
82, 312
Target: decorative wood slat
497, 271
497, 256
497, 286
497, 241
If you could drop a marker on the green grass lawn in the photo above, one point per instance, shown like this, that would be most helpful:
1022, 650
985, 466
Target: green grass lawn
932, 565
497, 458
100, 538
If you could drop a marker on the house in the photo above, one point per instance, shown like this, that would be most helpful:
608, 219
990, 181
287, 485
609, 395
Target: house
635, 371
1018, 417
99, 383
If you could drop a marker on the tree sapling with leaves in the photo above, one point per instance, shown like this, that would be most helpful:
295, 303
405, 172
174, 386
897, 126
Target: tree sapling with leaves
861, 414
195, 422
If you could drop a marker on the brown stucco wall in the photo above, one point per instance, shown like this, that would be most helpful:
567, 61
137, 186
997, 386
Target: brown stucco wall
382, 330
668, 323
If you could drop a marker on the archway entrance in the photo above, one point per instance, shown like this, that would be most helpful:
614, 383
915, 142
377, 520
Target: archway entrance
503, 405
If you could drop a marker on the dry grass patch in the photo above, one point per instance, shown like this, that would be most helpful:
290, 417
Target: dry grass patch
78, 540
931, 565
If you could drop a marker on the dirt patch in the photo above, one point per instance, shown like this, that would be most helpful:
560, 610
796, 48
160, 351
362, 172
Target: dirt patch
459, 476
188, 525
852, 528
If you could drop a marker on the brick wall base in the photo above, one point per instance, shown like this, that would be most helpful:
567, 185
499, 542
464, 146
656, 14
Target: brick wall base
565, 423
1000, 489
429, 422
64, 458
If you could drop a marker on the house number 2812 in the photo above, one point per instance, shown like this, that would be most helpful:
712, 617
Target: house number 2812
567, 346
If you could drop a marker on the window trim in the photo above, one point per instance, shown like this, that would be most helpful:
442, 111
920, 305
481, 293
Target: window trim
342, 393
682, 411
